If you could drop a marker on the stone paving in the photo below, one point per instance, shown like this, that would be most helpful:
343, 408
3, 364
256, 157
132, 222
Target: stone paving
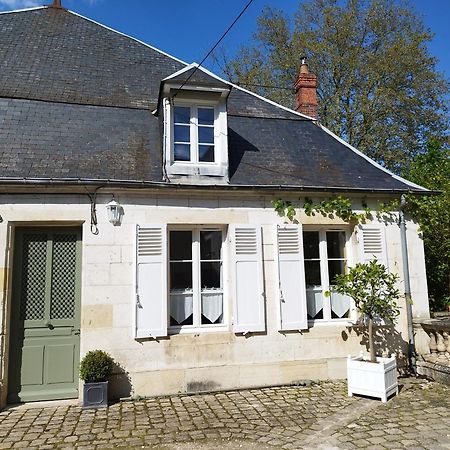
320, 416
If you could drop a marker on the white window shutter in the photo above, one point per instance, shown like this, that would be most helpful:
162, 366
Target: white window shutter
248, 284
151, 281
372, 244
291, 278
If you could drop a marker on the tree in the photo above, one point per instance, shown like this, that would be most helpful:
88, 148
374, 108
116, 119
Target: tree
432, 170
373, 289
378, 84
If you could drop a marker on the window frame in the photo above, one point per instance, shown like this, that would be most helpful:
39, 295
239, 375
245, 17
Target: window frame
324, 274
194, 133
197, 327
194, 167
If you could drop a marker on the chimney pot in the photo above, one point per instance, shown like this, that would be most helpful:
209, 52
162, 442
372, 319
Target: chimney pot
305, 89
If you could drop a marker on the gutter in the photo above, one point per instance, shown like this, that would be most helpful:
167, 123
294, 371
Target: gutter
133, 184
409, 314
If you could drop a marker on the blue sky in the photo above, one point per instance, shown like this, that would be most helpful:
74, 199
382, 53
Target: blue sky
188, 28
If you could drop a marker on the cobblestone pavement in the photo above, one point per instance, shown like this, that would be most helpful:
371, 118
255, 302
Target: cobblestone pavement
320, 416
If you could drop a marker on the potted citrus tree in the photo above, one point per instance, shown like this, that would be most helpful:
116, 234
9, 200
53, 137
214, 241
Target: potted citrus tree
374, 291
95, 368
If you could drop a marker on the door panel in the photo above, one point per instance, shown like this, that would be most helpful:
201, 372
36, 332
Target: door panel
32, 373
55, 371
45, 314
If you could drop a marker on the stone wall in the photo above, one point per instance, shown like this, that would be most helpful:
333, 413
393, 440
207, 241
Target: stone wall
202, 361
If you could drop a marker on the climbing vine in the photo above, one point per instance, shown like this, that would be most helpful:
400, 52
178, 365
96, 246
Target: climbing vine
284, 208
336, 206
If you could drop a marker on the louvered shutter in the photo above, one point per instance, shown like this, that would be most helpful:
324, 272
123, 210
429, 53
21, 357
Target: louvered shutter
291, 278
372, 243
151, 281
247, 275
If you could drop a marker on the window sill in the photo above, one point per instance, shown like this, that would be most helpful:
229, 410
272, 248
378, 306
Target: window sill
331, 323
197, 330
204, 169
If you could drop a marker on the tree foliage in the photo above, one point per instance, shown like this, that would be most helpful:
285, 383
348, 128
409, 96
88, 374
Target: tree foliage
432, 170
378, 84
374, 291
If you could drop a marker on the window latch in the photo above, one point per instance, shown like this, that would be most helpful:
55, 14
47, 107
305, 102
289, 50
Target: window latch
138, 302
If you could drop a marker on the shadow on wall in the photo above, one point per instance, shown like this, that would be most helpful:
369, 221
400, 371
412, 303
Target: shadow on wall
237, 146
119, 385
387, 341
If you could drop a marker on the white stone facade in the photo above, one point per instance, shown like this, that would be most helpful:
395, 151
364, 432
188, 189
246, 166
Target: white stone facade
199, 361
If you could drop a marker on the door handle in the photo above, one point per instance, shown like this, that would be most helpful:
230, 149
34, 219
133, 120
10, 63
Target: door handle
49, 326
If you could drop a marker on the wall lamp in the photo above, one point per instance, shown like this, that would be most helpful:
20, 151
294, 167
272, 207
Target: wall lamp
115, 212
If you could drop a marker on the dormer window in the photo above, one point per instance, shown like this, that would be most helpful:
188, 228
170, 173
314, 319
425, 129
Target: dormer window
195, 141
194, 134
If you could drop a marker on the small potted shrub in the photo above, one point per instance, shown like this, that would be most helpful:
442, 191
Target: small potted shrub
374, 291
95, 368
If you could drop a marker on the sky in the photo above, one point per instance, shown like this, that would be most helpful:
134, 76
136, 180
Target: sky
188, 29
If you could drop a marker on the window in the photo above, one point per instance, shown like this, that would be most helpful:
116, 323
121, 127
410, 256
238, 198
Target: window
196, 140
196, 278
325, 256
193, 128
180, 275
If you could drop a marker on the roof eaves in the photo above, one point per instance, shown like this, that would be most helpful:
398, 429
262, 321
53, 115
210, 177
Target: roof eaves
21, 181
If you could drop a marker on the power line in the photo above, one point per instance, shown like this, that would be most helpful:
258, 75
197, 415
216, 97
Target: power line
214, 47
267, 86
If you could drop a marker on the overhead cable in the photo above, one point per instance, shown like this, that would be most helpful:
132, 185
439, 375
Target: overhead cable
214, 47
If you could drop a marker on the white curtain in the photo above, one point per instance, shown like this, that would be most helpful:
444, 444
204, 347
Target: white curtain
314, 300
181, 306
212, 305
340, 304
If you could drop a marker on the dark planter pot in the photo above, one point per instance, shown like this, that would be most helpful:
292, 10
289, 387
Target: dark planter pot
95, 395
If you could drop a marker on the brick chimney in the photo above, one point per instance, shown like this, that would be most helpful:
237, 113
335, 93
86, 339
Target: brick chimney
305, 91
56, 4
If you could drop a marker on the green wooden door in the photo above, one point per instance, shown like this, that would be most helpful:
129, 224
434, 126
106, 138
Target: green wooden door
45, 314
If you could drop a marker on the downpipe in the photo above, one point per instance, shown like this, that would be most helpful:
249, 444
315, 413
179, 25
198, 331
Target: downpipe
409, 315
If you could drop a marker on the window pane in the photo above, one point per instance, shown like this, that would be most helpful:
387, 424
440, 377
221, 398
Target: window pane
210, 244
181, 309
206, 116
182, 133
182, 114
210, 275
180, 275
206, 135
212, 308
311, 244
336, 244
312, 273
182, 152
206, 153
335, 268
180, 245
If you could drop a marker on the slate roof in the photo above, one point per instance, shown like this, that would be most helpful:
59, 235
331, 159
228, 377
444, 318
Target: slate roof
76, 101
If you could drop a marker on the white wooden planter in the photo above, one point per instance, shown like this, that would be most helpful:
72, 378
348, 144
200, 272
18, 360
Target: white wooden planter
373, 379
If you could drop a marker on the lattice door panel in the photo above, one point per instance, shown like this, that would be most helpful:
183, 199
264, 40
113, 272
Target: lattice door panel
63, 286
32, 289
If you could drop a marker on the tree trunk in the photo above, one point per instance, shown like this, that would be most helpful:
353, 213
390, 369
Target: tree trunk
371, 346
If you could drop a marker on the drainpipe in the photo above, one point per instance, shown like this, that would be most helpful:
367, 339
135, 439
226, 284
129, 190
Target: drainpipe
409, 316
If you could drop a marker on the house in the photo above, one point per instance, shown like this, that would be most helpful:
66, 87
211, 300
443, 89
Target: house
136, 217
